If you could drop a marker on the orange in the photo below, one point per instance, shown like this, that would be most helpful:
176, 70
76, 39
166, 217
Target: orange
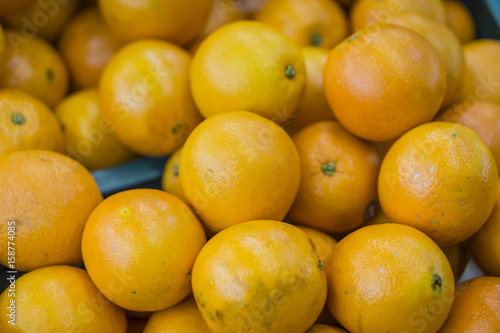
139, 247
238, 166
44, 19
60, 299
369, 12
320, 23
480, 116
171, 182
381, 85
319, 328
459, 19
248, 66
324, 243
476, 307
145, 93
458, 255
46, 200
482, 79
485, 246
87, 44
32, 64
338, 178
313, 107
183, 317
389, 278
27, 123
175, 21
440, 178
89, 136
446, 44
8, 6
253, 276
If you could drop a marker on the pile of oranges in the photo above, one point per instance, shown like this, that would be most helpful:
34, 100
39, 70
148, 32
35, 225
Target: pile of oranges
333, 166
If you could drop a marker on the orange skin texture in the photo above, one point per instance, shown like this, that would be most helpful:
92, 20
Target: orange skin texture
440, 178
8, 6
482, 73
60, 299
252, 276
147, 241
448, 48
57, 15
481, 116
34, 66
238, 166
336, 202
176, 21
87, 44
314, 107
476, 307
145, 93
39, 128
458, 255
242, 66
324, 243
369, 12
83, 123
484, 245
50, 197
183, 317
459, 19
300, 20
319, 328
369, 77
171, 182
376, 269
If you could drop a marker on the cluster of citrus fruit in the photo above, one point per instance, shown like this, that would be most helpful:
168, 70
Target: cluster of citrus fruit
333, 165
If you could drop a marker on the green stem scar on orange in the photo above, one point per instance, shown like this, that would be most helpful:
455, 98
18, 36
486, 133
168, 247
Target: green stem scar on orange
290, 72
18, 119
437, 283
329, 168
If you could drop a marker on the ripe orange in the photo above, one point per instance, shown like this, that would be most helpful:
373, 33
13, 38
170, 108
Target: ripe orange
87, 44
248, 66
171, 182
172, 20
319, 328
482, 117
238, 166
440, 178
8, 6
338, 178
324, 243
482, 78
389, 278
460, 20
49, 197
320, 23
484, 245
89, 136
27, 123
145, 93
314, 107
139, 247
252, 276
370, 77
446, 44
476, 307
59, 299
370, 12
183, 317
32, 64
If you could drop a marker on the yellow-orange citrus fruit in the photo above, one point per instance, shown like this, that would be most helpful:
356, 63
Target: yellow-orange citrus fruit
459, 19
145, 93
46, 200
139, 247
248, 66
324, 243
440, 178
320, 23
171, 182
252, 276
338, 178
27, 123
476, 307
370, 77
375, 270
238, 166
59, 299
